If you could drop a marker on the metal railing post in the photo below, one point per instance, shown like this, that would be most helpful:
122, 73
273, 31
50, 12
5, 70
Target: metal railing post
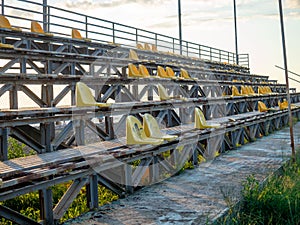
113, 30
86, 26
45, 22
2, 8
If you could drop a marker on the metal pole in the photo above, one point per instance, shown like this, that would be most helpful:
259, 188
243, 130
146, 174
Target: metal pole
235, 29
287, 82
180, 31
45, 16
2, 9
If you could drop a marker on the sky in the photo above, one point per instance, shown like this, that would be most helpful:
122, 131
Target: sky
210, 22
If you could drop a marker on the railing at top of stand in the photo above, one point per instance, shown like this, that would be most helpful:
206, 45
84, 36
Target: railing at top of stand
60, 22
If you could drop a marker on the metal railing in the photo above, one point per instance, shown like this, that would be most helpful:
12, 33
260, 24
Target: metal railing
60, 22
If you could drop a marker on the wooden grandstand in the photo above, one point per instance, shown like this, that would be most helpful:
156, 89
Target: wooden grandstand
45, 59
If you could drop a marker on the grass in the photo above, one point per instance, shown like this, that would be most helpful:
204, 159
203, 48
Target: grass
277, 202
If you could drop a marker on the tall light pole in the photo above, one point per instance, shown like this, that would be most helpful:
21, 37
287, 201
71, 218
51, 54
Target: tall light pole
180, 31
287, 82
235, 29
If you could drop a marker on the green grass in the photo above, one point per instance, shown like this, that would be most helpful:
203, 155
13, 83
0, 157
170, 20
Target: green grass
277, 202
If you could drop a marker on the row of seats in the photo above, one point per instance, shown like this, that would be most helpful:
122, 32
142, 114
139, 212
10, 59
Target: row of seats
150, 133
36, 28
146, 46
248, 91
168, 73
282, 106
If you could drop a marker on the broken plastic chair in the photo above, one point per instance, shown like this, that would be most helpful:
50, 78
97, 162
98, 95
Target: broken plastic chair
4, 23
235, 91
263, 108
135, 135
76, 35
133, 71
6, 46
36, 28
84, 97
164, 96
200, 121
152, 129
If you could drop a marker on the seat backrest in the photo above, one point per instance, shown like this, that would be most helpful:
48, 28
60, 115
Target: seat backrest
262, 107
134, 129
143, 71
154, 48
261, 90
170, 72
133, 55
184, 74
162, 92
251, 90
147, 46
161, 72
244, 90
140, 46
76, 34
151, 127
200, 121
84, 96
36, 27
4, 22
235, 91
133, 71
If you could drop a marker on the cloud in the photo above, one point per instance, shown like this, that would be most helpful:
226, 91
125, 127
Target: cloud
293, 3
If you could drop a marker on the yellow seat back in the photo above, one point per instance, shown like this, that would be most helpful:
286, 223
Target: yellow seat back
244, 90
235, 91
170, 72
162, 92
283, 105
140, 46
143, 71
161, 72
251, 90
184, 74
262, 107
154, 48
4, 22
147, 47
84, 97
152, 129
200, 121
76, 34
135, 134
133, 71
36, 27
133, 55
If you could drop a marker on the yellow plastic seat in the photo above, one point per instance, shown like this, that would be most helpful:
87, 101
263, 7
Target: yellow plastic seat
263, 108
140, 46
4, 23
170, 73
261, 90
283, 105
200, 121
154, 48
133, 71
152, 129
76, 35
6, 46
164, 96
147, 47
84, 97
133, 55
143, 71
36, 28
161, 72
184, 74
244, 90
251, 91
235, 91
135, 134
